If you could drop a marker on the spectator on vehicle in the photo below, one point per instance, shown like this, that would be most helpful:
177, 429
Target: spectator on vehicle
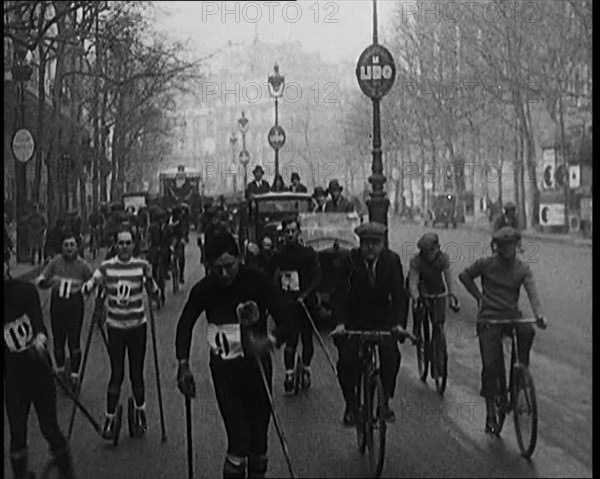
296, 186
320, 197
259, 185
337, 203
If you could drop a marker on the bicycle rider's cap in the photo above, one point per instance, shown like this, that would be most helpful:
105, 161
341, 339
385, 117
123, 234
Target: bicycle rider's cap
507, 234
371, 230
428, 242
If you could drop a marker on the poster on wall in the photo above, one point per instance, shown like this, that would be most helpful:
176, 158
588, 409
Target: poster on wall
552, 214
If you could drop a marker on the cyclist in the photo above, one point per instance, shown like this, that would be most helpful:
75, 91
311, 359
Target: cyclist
375, 300
502, 275
430, 272
176, 231
297, 273
123, 278
235, 298
28, 376
66, 274
506, 217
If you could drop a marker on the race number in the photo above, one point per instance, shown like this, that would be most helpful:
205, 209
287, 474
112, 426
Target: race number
225, 340
18, 334
123, 292
290, 281
64, 288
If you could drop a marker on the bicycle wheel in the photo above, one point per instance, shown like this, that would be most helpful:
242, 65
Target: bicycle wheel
361, 437
175, 275
524, 410
501, 405
439, 358
426, 348
420, 345
376, 427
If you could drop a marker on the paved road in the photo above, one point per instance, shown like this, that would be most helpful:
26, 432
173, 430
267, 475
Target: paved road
432, 437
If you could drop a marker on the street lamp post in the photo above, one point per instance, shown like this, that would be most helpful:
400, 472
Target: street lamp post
244, 125
233, 139
376, 73
21, 72
276, 85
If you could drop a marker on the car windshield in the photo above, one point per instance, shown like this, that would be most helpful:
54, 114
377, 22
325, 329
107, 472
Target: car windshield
278, 205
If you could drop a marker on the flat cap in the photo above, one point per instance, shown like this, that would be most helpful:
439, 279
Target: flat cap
319, 191
371, 230
428, 241
506, 234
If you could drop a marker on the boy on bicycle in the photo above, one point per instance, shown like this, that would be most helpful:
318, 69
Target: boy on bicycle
502, 275
430, 273
375, 300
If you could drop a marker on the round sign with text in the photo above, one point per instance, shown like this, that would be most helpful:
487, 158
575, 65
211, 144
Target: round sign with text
23, 145
244, 157
375, 71
276, 137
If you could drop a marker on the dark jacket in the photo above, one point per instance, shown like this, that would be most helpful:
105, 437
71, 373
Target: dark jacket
254, 189
298, 189
384, 306
342, 206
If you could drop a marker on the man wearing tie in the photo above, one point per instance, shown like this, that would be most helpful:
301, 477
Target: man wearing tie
259, 185
376, 300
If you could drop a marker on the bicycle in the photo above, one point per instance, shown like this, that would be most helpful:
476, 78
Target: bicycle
432, 351
522, 399
370, 423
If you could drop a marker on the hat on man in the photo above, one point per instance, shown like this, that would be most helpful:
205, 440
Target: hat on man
371, 229
319, 191
334, 185
258, 169
510, 206
295, 176
506, 234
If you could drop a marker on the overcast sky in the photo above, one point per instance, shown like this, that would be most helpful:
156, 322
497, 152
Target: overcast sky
339, 30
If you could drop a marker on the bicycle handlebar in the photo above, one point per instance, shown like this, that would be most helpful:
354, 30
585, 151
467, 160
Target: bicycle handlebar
507, 321
373, 335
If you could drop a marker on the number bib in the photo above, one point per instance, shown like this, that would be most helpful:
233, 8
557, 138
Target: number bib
123, 292
18, 334
225, 340
64, 288
290, 281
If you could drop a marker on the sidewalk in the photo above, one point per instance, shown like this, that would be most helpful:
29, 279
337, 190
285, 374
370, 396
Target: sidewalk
577, 239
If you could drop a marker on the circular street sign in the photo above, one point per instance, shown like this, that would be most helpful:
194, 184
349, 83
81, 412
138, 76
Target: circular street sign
23, 145
244, 157
375, 71
276, 137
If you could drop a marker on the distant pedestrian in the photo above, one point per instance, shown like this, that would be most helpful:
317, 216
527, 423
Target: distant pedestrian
506, 217
37, 228
337, 203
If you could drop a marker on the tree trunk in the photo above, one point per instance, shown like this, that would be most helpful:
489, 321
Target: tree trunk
41, 109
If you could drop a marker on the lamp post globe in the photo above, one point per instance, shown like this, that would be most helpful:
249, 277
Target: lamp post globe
276, 83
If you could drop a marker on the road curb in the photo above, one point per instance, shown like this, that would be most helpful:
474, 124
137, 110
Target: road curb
582, 242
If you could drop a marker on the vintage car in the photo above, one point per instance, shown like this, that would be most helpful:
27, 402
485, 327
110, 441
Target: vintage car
443, 210
332, 236
265, 212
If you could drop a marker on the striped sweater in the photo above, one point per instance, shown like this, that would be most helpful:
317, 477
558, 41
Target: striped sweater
124, 285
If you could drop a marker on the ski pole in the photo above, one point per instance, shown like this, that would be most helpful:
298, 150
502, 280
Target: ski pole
275, 419
77, 403
157, 371
188, 422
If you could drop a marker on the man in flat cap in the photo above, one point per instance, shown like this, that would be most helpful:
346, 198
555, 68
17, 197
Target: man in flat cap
259, 185
502, 275
376, 300
506, 217
337, 203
